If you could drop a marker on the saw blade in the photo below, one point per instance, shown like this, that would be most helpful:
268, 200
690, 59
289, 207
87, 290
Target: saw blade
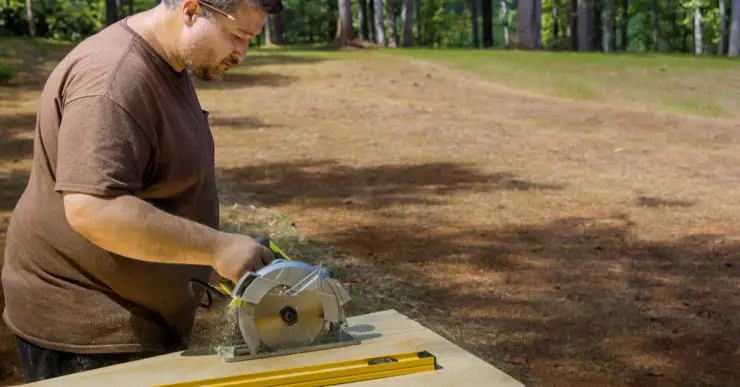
284, 321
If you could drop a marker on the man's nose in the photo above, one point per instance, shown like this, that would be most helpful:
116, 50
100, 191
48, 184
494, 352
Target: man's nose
240, 49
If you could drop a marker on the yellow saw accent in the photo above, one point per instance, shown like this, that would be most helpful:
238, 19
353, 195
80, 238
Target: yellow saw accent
276, 249
326, 374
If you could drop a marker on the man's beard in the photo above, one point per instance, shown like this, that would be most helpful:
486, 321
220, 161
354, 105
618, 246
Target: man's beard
201, 72
204, 73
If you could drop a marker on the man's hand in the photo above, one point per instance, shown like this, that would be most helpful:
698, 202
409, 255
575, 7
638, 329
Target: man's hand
237, 254
133, 228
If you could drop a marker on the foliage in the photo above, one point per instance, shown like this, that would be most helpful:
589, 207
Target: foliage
444, 23
6, 73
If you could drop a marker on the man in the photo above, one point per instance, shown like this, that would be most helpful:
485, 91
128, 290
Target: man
121, 209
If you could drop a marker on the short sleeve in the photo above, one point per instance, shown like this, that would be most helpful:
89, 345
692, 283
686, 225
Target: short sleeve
101, 149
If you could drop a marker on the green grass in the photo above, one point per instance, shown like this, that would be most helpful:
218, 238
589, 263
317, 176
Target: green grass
679, 83
685, 84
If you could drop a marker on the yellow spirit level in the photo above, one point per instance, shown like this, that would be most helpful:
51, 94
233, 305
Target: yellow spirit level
326, 374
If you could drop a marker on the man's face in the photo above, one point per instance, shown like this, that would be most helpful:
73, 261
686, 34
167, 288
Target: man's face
212, 45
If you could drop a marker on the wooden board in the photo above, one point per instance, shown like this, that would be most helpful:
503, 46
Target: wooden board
382, 333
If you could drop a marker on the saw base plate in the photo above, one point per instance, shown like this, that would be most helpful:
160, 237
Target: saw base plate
241, 352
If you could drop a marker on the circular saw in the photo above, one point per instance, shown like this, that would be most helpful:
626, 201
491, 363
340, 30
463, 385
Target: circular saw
287, 307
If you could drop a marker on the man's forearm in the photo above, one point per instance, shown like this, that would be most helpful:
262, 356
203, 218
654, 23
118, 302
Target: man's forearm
133, 228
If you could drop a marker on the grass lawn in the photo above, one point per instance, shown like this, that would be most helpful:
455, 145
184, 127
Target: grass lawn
678, 83
566, 217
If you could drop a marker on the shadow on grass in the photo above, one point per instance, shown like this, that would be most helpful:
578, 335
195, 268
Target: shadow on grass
326, 183
573, 300
13, 183
241, 80
239, 123
656, 202
278, 59
15, 140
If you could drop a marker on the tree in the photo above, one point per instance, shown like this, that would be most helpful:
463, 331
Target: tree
392, 27
584, 26
504, 16
656, 24
487, 10
734, 43
111, 11
608, 20
625, 23
528, 17
31, 20
474, 22
345, 31
407, 16
419, 39
379, 23
722, 28
698, 35
362, 16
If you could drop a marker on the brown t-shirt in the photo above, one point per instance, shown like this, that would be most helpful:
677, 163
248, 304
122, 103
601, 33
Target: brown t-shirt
114, 119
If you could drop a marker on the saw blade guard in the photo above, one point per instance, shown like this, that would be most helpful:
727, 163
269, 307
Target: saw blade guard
288, 304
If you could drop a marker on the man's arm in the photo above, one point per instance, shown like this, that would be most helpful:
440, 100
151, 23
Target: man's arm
133, 228
102, 157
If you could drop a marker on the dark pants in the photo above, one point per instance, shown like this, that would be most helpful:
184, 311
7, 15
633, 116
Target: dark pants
41, 363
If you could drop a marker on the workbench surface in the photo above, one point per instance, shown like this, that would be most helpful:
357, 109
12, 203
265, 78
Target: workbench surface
382, 333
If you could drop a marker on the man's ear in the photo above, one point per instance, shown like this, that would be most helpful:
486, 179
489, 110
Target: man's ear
189, 11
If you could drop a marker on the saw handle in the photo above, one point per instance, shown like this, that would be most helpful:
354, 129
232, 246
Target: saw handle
279, 254
210, 292
226, 287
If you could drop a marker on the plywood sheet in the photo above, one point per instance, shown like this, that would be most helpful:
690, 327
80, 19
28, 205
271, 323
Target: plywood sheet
382, 333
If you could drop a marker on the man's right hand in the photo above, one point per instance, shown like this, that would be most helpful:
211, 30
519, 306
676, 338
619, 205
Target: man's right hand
133, 228
237, 254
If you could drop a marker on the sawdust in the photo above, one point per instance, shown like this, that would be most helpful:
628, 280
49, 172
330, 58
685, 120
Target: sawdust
218, 327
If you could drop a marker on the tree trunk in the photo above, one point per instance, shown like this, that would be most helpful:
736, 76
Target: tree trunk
665, 39
267, 31
537, 23
528, 24
277, 29
613, 21
111, 11
31, 19
379, 23
596, 29
487, 13
625, 23
345, 31
607, 24
371, 19
419, 39
390, 9
656, 25
504, 22
733, 48
555, 20
584, 26
474, 22
722, 28
407, 16
573, 24
698, 36
362, 16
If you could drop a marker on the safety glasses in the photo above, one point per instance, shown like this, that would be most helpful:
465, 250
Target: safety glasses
214, 9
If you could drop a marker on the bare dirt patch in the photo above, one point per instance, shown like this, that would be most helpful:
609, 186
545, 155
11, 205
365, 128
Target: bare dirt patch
565, 242
568, 243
